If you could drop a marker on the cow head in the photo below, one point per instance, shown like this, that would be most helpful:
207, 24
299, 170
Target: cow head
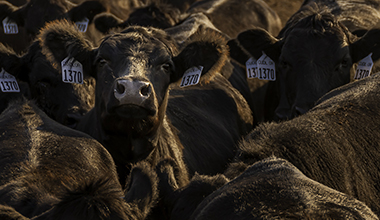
63, 102
314, 55
134, 69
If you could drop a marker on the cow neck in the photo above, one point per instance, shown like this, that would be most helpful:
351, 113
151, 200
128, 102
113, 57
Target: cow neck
161, 142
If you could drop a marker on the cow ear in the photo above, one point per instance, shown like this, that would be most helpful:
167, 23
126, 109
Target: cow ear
255, 41
61, 39
104, 22
206, 48
141, 188
13, 63
367, 44
237, 52
12, 12
88, 9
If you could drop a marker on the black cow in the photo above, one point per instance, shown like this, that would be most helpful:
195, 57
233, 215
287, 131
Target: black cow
269, 189
49, 171
63, 102
134, 69
274, 189
314, 53
335, 143
32, 16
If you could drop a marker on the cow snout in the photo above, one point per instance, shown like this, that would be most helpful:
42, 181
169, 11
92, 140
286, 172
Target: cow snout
129, 91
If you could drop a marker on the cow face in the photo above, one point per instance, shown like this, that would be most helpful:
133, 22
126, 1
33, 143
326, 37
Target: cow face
63, 102
315, 55
311, 63
134, 69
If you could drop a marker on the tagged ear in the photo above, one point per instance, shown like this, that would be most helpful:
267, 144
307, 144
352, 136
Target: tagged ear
255, 41
61, 39
14, 13
104, 22
142, 187
369, 43
88, 9
206, 48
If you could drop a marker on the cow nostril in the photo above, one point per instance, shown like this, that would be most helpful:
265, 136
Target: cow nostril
120, 88
145, 90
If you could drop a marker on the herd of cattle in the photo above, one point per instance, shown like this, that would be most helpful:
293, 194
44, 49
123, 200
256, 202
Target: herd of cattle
189, 109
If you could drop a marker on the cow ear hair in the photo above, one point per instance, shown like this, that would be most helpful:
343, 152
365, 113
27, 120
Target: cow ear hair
104, 22
14, 13
61, 39
255, 41
368, 43
207, 48
141, 187
88, 9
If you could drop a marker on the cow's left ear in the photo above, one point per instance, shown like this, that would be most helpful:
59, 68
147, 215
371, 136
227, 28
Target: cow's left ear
14, 13
88, 9
369, 43
206, 48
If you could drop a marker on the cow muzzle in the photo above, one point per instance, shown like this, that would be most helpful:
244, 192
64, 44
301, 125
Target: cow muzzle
132, 91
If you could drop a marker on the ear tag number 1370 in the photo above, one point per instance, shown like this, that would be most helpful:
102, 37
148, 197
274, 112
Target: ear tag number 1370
9, 26
72, 71
191, 76
82, 25
266, 68
8, 83
364, 67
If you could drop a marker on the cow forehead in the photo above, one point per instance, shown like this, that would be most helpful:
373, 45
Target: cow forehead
306, 43
130, 44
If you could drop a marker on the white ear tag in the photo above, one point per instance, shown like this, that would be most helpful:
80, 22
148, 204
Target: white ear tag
251, 67
364, 67
266, 68
191, 76
9, 26
8, 83
72, 71
82, 25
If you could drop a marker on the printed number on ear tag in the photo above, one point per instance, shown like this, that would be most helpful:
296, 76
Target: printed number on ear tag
72, 71
82, 25
8, 83
9, 26
364, 67
266, 68
191, 76
251, 67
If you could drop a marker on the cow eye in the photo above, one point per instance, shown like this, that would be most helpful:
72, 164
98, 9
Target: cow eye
102, 62
166, 67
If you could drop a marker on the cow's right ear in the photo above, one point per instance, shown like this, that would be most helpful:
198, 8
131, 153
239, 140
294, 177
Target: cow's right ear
255, 41
61, 39
14, 13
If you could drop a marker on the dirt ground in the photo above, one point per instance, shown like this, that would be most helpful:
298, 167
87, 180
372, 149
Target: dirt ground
284, 8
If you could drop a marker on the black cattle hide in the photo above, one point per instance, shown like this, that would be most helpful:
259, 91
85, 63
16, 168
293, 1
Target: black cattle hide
274, 189
49, 171
335, 143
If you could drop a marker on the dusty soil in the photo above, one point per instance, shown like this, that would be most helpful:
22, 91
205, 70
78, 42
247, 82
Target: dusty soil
284, 8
